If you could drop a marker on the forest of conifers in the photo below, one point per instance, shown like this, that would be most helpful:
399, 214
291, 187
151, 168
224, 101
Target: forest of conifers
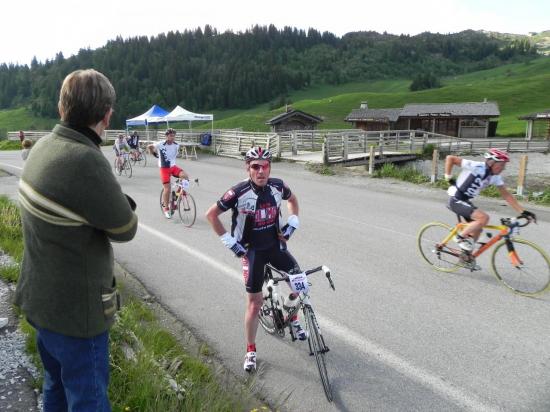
203, 69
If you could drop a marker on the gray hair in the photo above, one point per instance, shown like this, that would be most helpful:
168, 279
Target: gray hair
85, 97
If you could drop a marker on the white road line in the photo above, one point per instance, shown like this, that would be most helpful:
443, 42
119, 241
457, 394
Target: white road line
367, 347
7, 164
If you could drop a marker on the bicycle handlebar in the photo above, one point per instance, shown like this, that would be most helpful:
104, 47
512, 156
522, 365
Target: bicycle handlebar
284, 275
515, 222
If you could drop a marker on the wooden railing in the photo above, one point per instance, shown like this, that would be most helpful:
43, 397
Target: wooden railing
29, 134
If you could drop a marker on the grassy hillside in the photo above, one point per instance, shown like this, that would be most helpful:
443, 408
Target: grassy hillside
517, 88
22, 119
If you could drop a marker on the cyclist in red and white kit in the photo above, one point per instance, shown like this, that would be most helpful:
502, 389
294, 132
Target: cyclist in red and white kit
258, 236
474, 177
167, 152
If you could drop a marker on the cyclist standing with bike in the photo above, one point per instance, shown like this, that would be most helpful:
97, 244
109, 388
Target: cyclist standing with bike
167, 152
474, 177
257, 236
120, 147
133, 142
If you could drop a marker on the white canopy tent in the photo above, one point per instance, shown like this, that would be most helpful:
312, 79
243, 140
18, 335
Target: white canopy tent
179, 114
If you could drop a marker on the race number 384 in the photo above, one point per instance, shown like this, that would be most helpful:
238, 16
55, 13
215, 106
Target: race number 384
298, 283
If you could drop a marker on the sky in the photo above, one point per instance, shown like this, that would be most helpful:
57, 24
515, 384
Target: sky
41, 28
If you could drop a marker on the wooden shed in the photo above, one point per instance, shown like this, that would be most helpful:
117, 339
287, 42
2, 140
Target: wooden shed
467, 120
538, 124
293, 120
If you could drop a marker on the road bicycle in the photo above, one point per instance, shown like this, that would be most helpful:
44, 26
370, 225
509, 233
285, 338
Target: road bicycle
181, 200
138, 156
125, 167
276, 313
519, 264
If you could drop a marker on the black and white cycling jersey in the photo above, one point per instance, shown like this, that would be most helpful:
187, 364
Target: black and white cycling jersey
256, 211
474, 177
167, 153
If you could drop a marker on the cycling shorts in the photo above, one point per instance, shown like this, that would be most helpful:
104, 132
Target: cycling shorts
461, 207
255, 260
166, 172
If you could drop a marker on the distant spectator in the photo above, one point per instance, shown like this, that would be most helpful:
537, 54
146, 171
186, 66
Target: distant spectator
27, 145
21, 136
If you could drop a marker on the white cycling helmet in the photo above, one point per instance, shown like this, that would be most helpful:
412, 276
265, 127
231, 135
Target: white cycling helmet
257, 153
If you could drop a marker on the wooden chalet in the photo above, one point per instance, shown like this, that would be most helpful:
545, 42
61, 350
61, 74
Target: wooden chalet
538, 124
467, 120
293, 120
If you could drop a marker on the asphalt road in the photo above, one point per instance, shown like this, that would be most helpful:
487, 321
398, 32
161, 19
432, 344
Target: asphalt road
403, 337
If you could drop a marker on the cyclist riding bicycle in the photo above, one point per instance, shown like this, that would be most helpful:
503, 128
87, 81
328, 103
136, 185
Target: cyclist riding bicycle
120, 147
133, 142
167, 152
474, 177
258, 236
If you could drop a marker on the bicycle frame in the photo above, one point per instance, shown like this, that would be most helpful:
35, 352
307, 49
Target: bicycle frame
503, 232
304, 298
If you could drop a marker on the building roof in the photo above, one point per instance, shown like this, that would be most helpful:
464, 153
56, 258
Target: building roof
374, 115
293, 113
545, 114
487, 109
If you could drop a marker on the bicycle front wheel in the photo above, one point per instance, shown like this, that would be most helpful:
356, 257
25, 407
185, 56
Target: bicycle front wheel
528, 276
318, 349
187, 209
127, 166
142, 159
443, 257
118, 170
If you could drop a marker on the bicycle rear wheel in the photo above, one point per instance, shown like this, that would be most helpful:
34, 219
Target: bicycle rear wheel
170, 201
445, 258
317, 348
187, 209
529, 276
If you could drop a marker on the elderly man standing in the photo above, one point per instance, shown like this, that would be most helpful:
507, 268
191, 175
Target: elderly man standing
72, 208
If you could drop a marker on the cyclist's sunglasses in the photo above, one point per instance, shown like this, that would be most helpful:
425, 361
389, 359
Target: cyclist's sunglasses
256, 166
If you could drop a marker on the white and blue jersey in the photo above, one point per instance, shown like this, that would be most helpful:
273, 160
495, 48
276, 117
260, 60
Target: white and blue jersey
474, 177
167, 153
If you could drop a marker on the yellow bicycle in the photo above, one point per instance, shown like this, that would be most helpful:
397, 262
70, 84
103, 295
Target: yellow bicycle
521, 265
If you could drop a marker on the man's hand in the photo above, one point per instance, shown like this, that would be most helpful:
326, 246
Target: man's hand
450, 179
231, 243
529, 216
291, 225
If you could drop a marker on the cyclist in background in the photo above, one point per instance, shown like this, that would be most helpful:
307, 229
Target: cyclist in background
257, 236
474, 177
120, 147
133, 142
167, 151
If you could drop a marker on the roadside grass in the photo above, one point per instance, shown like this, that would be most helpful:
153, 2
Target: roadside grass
150, 370
11, 238
407, 173
10, 145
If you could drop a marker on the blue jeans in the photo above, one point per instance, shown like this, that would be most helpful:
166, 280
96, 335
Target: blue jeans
76, 372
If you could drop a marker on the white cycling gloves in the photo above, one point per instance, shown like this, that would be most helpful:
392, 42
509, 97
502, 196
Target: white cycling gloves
231, 243
291, 225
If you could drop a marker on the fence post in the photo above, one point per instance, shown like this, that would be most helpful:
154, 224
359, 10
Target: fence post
521, 174
325, 151
371, 160
346, 147
294, 143
279, 150
380, 151
435, 161
508, 145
